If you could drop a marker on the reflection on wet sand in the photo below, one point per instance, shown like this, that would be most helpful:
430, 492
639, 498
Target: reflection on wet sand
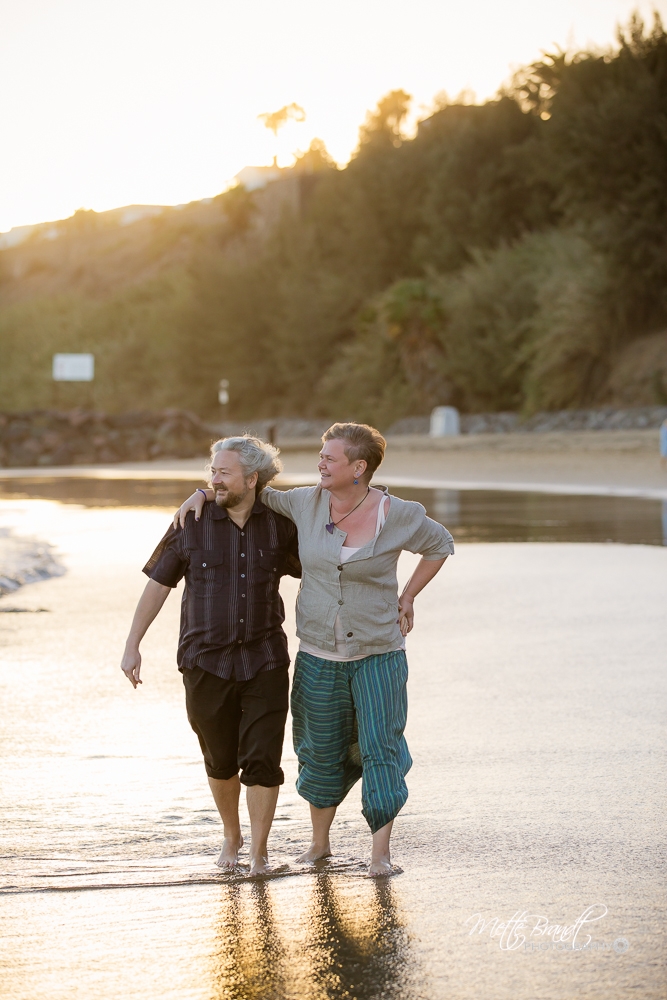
249, 960
337, 940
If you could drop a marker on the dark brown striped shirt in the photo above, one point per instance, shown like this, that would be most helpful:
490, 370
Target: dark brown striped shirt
232, 613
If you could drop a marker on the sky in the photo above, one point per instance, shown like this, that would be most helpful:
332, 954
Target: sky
106, 103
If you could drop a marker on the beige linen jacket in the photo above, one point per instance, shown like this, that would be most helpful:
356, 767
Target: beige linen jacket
364, 589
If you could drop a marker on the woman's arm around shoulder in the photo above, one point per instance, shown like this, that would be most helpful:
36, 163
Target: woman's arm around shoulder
287, 502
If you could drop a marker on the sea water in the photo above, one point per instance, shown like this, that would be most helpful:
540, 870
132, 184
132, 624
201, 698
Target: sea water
532, 844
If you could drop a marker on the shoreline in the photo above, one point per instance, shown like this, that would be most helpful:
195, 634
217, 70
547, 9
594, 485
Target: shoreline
24, 561
594, 463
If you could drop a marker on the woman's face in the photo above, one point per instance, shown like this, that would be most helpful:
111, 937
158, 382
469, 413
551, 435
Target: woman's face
336, 470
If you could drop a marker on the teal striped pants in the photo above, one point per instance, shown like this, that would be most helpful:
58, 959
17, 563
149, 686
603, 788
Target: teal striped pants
334, 704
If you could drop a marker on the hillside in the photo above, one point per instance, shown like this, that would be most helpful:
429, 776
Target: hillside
511, 256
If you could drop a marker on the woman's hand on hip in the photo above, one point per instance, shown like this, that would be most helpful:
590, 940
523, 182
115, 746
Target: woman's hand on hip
195, 502
406, 614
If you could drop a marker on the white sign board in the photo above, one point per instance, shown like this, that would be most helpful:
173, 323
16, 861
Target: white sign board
73, 367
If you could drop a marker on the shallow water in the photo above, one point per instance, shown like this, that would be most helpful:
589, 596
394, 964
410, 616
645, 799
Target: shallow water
537, 729
477, 515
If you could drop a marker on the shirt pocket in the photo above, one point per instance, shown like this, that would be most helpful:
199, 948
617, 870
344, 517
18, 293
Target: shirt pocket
268, 566
207, 572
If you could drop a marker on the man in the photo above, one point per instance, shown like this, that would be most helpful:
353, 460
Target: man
232, 650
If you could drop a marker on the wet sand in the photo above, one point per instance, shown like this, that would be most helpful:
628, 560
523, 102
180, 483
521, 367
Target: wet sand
537, 696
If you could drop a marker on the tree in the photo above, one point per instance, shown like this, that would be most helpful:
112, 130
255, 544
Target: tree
274, 120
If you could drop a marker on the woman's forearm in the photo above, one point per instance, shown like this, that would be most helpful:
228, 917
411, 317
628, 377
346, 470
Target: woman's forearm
426, 570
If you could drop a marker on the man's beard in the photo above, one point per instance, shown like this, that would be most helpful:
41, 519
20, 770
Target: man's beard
230, 499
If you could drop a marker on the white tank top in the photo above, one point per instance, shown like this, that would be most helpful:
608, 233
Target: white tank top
341, 654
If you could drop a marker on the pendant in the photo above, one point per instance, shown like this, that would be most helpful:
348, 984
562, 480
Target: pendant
330, 527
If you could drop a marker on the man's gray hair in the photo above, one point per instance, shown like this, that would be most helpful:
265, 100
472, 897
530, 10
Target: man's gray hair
254, 455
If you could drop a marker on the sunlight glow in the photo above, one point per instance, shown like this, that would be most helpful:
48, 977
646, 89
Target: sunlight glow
155, 101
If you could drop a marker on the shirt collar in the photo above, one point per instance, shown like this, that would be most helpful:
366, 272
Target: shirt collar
217, 513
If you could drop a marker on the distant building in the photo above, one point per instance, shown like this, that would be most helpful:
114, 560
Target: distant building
255, 178
50, 230
132, 213
15, 236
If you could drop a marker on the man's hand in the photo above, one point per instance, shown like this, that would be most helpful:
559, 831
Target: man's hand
131, 666
406, 614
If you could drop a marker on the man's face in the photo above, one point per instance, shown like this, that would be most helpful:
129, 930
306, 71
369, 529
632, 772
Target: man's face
227, 479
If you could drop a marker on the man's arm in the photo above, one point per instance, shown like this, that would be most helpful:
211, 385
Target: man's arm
150, 603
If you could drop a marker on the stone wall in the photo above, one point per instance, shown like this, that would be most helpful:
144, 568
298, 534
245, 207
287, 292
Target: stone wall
607, 419
81, 437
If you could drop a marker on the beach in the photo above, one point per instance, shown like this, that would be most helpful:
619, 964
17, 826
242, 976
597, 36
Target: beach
595, 462
536, 797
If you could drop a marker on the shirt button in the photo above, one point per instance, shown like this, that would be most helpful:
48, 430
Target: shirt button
339, 567
243, 555
350, 634
243, 576
204, 565
242, 595
240, 619
340, 602
243, 532
240, 641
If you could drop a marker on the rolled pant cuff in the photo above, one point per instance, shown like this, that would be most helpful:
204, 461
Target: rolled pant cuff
222, 774
265, 780
376, 821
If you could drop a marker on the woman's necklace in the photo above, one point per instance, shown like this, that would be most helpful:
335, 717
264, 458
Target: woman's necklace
334, 524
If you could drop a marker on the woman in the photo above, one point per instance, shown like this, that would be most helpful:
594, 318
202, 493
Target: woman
351, 672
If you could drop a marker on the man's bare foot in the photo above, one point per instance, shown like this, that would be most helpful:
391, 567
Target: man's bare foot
259, 864
380, 866
314, 853
229, 855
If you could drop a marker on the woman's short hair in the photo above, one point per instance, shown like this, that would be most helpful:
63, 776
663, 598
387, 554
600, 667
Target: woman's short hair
360, 442
254, 455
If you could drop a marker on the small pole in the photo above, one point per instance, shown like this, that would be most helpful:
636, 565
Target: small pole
272, 433
223, 397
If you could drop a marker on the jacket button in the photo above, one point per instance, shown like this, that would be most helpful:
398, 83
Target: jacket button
350, 634
340, 602
204, 565
339, 567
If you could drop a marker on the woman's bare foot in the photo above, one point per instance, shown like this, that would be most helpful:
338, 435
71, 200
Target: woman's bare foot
229, 855
380, 867
380, 854
314, 853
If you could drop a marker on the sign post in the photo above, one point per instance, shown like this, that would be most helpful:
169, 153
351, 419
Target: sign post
223, 396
